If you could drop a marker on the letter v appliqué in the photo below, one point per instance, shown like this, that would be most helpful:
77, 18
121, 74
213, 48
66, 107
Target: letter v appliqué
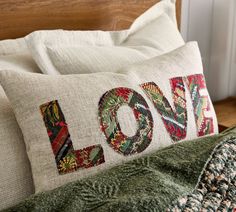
175, 120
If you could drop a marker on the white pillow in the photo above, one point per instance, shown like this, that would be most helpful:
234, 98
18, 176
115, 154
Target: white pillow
13, 46
74, 52
15, 55
15, 174
78, 125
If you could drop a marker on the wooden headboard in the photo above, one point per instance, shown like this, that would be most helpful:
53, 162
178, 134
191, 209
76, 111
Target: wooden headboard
20, 17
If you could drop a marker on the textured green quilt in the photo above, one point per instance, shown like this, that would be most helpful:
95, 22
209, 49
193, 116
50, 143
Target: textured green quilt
190, 175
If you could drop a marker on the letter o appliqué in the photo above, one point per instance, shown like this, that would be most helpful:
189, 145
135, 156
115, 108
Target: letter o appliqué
109, 104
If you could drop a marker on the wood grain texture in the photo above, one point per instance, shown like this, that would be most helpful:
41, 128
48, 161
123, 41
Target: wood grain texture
20, 17
226, 113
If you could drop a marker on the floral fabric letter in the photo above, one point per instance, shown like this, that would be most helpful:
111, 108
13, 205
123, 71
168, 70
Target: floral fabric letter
201, 104
175, 120
67, 159
109, 104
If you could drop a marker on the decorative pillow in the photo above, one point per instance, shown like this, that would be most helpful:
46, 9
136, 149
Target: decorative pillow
15, 174
75, 52
78, 125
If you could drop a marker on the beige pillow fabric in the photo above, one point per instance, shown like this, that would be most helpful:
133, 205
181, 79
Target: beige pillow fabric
15, 174
77, 52
14, 46
78, 125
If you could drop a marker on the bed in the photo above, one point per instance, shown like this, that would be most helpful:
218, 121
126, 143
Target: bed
188, 176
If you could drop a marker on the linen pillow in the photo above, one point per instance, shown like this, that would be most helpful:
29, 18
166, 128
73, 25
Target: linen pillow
110, 117
15, 174
76, 52
13, 46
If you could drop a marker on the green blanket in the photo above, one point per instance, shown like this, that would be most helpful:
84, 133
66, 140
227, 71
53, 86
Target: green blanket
150, 183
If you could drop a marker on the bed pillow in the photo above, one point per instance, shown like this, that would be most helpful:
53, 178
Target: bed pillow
75, 52
78, 125
13, 46
15, 174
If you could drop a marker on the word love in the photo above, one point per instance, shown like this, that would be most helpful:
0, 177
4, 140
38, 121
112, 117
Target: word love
174, 120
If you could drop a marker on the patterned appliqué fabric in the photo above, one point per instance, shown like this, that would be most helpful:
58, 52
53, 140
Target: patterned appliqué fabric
201, 104
67, 159
109, 104
175, 120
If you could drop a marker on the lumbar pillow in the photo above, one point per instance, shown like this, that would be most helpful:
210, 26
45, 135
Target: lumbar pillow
74, 52
78, 125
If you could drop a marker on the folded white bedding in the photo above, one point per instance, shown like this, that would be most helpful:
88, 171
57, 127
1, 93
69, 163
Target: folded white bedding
14, 46
77, 52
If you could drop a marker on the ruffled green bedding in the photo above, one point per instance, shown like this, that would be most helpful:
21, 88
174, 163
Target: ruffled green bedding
153, 183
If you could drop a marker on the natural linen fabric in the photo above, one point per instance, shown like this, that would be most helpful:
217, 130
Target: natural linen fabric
79, 96
15, 174
74, 52
15, 46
